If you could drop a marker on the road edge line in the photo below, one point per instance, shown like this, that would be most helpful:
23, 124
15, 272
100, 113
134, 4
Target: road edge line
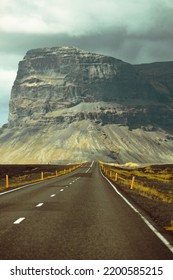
154, 230
30, 184
19, 188
24, 186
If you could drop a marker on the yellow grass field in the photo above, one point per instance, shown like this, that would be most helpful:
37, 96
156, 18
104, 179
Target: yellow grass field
151, 187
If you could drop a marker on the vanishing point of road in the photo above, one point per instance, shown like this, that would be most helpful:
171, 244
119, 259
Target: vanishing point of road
78, 216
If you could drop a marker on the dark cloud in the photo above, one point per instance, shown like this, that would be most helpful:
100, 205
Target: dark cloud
116, 42
136, 31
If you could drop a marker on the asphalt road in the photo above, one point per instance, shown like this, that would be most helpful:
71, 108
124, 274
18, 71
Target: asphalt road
75, 216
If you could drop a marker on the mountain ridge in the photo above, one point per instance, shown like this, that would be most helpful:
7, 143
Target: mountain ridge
68, 103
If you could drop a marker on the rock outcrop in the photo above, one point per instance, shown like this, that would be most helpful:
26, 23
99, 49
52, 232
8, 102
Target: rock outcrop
70, 104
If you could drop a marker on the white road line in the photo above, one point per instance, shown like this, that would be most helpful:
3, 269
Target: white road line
52, 195
70, 183
18, 221
17, 189
87, 170
39, 205
154, 230
61, 190
23, 187
92, 163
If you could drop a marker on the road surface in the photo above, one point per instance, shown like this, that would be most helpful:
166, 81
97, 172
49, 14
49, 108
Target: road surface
76, 216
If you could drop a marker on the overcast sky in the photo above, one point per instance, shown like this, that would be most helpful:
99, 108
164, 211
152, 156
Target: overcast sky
136, 31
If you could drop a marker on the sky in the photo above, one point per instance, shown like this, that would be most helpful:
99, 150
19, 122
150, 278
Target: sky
136, 31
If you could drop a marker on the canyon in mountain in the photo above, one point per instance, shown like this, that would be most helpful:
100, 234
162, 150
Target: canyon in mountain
69, 105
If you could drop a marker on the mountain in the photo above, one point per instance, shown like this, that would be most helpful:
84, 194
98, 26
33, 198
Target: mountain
71, 105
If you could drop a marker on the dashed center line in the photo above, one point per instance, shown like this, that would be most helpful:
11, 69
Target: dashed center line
39, 205
87, 170
18, 221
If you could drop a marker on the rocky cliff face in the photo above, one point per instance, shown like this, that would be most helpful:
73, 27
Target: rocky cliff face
67, 103
160, 76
